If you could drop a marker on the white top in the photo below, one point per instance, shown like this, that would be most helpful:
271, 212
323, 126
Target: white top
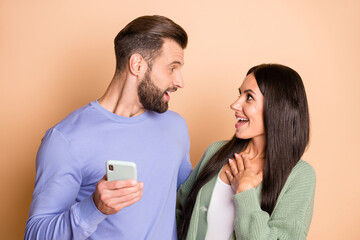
221, 212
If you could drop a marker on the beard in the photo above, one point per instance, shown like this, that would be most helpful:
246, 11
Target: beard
150, 95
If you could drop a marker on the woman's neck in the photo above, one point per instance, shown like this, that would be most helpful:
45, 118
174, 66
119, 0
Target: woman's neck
256, 149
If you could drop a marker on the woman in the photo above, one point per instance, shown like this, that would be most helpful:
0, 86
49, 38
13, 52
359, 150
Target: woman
255, 186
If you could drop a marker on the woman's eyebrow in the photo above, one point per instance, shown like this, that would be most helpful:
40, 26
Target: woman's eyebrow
248, 90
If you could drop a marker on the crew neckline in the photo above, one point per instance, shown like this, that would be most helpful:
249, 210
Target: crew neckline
119, 118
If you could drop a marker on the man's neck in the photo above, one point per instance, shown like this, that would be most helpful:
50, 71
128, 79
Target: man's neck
121, 97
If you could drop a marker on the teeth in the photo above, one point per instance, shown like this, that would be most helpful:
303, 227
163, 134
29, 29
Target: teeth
242, 119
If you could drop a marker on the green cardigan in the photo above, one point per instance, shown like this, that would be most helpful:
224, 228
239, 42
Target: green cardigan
290, 219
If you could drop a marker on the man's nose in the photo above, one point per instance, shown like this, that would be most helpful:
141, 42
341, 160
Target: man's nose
179, 82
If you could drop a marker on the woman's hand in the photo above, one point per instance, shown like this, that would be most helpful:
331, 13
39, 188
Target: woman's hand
241, 175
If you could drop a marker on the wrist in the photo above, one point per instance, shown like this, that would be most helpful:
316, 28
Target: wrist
244, 188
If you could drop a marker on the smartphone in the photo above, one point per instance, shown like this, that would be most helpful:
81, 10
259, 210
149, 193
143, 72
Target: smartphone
120, 170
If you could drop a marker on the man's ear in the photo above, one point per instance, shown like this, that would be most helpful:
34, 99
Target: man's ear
137, 64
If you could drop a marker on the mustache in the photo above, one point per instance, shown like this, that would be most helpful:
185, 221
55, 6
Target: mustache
174, 89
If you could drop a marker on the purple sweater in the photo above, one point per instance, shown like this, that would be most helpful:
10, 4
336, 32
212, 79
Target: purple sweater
71, 160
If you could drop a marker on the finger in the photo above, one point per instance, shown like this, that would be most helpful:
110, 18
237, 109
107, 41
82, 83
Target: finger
233, 167
116, 204
229, 175
126, 198
239, 161
125, 191
128, 203
112, 185
101, 184
246, 160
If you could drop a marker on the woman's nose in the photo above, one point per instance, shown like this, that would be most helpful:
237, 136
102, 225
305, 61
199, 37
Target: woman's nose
237, 105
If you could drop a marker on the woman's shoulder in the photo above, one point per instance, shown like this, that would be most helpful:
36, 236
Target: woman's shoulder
303, 171
300, 183
213, 147
304, 166
210, 151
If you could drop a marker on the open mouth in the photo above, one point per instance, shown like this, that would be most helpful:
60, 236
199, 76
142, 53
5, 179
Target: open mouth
241, 119
167, 95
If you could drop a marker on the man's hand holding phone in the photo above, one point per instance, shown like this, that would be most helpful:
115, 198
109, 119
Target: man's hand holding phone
112, 196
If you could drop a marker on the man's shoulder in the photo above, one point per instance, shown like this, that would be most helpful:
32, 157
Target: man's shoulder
74, 119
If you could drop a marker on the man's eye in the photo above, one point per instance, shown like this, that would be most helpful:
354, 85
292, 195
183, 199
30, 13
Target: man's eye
172, 69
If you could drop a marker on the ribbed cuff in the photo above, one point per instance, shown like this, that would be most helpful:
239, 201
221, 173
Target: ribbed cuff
247, 201
88, 215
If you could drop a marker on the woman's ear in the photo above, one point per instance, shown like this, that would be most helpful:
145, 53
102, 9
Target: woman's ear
137, 64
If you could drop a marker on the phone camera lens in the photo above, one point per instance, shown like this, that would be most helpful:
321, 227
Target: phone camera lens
111, 167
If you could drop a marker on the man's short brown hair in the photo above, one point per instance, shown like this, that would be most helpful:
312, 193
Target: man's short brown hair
145, 35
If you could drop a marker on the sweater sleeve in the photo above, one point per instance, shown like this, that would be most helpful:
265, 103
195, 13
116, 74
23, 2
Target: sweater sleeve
291, 217
55, 211
185, 165
184, 190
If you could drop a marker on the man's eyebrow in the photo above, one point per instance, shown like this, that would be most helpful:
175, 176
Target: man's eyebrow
176, 62
248, 90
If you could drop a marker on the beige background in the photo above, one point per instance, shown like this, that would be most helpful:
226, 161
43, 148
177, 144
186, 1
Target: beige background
56, 56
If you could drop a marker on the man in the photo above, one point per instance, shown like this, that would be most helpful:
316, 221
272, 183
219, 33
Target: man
130, 122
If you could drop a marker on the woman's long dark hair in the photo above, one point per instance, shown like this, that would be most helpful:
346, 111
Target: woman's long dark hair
286, 121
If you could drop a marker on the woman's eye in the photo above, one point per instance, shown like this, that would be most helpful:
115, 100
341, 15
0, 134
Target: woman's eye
249, 97
172, 69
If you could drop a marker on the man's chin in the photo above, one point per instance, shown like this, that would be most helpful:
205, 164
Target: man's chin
156, 106
163, 108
